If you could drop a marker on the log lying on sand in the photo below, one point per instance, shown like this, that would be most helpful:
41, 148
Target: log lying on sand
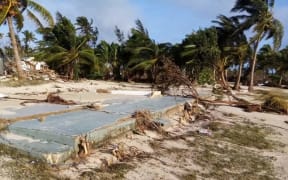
52, 98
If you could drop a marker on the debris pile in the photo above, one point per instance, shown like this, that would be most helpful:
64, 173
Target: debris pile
33, 70
124, 152
144, 121
44, 74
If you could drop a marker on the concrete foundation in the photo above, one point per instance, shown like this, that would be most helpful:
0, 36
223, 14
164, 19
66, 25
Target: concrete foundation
56, 137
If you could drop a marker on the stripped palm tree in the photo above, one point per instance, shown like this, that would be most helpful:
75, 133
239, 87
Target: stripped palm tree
12, 11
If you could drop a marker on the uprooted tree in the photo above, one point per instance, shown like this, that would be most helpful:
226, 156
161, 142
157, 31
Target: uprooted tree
171, 75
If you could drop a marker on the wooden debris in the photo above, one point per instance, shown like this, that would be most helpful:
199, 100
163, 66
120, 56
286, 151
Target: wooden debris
55, 99
106, 91
94, 106
83, 147
52, 98
144, 121
42, 119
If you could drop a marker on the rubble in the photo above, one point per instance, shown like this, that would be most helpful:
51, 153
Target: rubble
33, 70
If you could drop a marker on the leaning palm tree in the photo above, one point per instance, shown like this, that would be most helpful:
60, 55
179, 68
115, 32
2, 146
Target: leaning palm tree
232, 42
87, 30
146, 59
258, 16
64, 51
12, 11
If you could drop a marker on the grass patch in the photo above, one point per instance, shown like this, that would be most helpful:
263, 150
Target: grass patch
115, 171
191, 176
221, 160
23, 166
274, 100
224, 162
248, 135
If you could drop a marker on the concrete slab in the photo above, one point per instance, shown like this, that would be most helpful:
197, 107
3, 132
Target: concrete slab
61, 132
32, 110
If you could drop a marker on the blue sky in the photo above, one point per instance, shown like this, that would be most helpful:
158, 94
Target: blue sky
166, 20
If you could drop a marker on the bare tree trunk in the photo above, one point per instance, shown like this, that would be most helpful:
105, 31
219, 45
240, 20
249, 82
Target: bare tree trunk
280, 80
223, 79
214, 74
15, 48
253, 64
237, 83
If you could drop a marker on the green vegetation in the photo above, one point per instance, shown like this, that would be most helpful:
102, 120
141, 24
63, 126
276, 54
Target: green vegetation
210, 55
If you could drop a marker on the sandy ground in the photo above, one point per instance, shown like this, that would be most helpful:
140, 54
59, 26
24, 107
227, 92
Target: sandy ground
223, 143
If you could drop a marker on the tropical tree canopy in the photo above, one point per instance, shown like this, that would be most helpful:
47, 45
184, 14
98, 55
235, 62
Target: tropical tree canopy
65, 52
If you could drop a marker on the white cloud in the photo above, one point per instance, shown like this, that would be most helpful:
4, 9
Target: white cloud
207, 9
105, 13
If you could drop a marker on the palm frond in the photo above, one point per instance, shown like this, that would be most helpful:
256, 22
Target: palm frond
42, 11
36, 20
145, 65
56, 57
18, 20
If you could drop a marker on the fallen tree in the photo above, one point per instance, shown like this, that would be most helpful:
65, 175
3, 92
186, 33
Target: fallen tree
171, 75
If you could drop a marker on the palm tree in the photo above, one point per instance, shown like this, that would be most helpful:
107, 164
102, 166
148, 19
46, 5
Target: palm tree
201, 51
146, 59
258, 16
109, 55
283, 64
64, 51
12, 11
136, 49
233, 45
86, 30
28, 37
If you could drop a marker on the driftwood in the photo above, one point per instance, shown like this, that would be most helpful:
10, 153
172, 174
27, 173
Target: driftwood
52, 98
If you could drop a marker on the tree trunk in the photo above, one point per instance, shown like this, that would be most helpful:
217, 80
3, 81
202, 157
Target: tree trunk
280, 80
223, 79
253, 64
237, 83
20, 73
214, 74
